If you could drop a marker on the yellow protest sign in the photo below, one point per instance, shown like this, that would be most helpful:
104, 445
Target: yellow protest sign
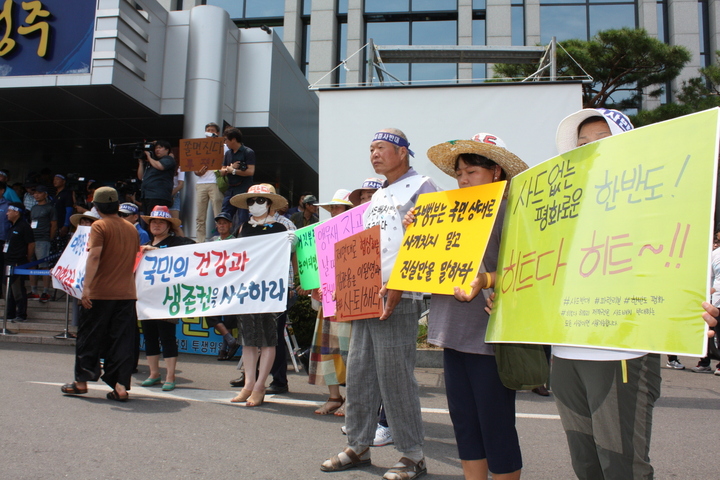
196, 153
608, 245
443, 248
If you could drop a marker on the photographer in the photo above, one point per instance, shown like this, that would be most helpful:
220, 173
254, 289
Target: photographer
239, 166
157, 175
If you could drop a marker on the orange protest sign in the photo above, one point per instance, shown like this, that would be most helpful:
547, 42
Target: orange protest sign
445, 245
196, 153
358, 276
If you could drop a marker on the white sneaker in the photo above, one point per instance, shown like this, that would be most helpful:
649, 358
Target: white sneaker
717, 371
383, 436
675, 364
342, 429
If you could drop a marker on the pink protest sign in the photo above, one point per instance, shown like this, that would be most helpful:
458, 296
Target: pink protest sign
326, 236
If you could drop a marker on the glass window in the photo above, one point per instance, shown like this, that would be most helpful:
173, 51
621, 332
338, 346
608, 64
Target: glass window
604, 17
342, 39
661, 21
478, 32
434, 33
264, 8
307, 7
705, 57
388, 33
374, 6
233, 7
563, 22
433, 5
479, 72
342, 7
429, 72
517, 16
479, 4
401, 71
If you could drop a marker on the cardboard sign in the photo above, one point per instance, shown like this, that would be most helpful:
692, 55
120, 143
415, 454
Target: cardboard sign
196, 153
608, 245
358, 276
444, 247
326, 235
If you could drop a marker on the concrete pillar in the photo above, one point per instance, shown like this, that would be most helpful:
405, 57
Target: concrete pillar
293, 29
648, 19
323, 38
683, 28
714, 28
355, 40
465, 37
498, 25
203, 88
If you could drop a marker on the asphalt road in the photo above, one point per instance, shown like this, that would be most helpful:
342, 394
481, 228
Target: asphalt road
194, 432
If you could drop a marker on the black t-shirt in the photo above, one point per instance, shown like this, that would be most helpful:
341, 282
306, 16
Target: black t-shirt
63, 201
249, 230
19, 237
158, 184
173, 241
244, 155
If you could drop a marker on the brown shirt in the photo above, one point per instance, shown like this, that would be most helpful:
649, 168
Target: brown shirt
119, 240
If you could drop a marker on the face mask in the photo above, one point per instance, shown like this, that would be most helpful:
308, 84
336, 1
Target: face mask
258, 210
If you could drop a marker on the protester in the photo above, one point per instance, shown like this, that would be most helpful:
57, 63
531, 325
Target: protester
365, 192
331, 339
308, 214
259, 330
130, 212
106, 327
19, 251
162, 331
482, 409
605, 398
206, 191
43, 220
157, 173
381, 361
239, 168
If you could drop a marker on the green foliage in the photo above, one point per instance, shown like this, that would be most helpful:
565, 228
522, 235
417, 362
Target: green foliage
303, 318
622, 60
697, 94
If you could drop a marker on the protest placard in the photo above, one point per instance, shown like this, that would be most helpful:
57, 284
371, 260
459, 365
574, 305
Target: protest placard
196, 153
608, 245
358, 276
306, 255
443, 248
326, 235
68, 273
244, 275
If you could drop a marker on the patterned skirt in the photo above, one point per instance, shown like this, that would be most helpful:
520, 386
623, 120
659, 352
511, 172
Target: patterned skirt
328, 354
259, 329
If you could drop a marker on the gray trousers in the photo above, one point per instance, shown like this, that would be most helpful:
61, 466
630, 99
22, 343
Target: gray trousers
607, 420
381, 367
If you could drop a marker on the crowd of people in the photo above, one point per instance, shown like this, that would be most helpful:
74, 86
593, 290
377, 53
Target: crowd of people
605, 398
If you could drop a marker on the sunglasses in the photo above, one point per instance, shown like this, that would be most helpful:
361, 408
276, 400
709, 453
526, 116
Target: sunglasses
258, 200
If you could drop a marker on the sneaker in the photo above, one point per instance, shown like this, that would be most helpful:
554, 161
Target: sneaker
717, 371
383, 436
33, 296
675, 364
44, 298
700, 369
343, 430
17, 320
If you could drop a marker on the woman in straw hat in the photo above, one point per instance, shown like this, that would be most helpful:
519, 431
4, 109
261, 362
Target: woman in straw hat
162, 331
259, 330
331, 340
482, 409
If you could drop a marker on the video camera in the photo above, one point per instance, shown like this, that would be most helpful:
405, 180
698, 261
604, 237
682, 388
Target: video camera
141, 148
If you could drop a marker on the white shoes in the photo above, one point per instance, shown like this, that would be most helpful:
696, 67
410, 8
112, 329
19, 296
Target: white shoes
383, 436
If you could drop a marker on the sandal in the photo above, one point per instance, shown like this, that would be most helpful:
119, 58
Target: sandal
72, 389
114, 395
242, 396
406, 469
256, 399
340, 412
335, 464
326, 409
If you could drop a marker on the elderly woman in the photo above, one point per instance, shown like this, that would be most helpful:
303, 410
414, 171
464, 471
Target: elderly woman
365, 192
331, 339
259, 330
481, 408
163, 228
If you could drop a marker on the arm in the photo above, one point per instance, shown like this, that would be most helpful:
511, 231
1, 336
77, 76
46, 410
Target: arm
202, 171
91, 267
140, 170
178, 188
31, 250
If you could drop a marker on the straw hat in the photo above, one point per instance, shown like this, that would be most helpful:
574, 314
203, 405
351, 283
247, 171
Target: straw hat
340, 198
90, 214
264, 190
369, 184
567, 133
163, 213
445, 154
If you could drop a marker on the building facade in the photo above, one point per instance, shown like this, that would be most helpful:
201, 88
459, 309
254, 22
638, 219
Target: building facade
320, 34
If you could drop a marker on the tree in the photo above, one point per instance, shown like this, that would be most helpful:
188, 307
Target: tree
696, 94
622, 60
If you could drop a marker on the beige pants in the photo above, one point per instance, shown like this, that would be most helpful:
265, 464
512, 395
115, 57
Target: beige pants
205, 193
